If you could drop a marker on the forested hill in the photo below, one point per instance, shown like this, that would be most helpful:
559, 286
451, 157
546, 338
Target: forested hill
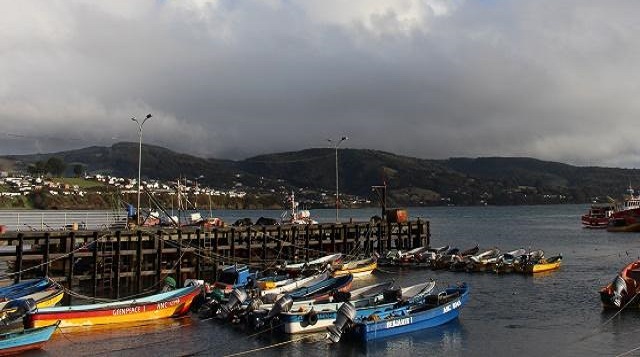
415, 181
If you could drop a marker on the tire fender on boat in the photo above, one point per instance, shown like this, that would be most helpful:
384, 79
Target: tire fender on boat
311, 318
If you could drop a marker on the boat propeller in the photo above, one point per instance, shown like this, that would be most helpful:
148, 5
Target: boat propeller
346, 314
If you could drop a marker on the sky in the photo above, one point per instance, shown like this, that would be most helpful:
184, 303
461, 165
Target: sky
553, 80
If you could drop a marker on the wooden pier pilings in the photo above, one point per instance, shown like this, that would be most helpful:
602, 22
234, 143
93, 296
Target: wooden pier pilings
118, 263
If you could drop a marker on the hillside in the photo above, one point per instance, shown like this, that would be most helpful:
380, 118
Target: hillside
411, 181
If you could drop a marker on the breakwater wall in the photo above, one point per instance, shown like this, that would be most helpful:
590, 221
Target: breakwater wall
118, 263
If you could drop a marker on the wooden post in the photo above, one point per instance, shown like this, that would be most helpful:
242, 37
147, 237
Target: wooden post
159, 244
428, 233
369, 248
417, 237
233, 244
345, 242
47, 250
307, 235
388, 236
333, 238
356, 242
18, 266
200, 246
117, 267
320, 239
72, 238
264, 246
215, 254
294, 243
139, 262
379, 237
279, 234
179, 263
94, 274
249, 244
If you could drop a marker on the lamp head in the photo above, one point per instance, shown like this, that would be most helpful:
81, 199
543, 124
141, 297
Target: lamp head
148, 116
344, 138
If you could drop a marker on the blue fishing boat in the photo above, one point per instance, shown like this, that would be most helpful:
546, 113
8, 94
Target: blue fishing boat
431, 311
26, 287
323, 290
29, 339
377, 299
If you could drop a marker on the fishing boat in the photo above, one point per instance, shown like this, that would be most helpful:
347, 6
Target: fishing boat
357, 268
542, 265
623, 289
271, 282
233, 276
482, 261
169, 304
28, 339
459, 261
625, 221
505, 263
44, 293
312, 265
598, 215
432, 311
323, 290
296, 216
293, 285
317, 317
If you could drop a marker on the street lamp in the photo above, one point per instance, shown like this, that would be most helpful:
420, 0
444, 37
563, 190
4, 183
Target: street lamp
139, 161
337, 144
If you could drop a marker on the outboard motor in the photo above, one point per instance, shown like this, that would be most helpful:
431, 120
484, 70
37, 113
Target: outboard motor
283, 304
346, 315
392, 294
619, 288
236, 299
17, 310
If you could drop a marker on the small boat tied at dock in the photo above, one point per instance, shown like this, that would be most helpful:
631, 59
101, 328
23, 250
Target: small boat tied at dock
163, 305
17, 342
429, 311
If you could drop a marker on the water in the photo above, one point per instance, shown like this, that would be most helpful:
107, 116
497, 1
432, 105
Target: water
558, 313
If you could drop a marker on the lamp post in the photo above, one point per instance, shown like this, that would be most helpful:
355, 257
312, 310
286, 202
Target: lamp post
139, 161
337, 144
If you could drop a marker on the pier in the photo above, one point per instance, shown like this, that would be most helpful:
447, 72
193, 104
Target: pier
119, 263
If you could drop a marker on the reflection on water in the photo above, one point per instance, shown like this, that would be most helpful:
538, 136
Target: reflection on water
555, 313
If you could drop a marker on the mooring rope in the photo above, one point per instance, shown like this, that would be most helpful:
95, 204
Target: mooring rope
267, 347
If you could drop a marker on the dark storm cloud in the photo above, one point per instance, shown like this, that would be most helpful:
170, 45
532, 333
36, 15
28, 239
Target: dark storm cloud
434, 79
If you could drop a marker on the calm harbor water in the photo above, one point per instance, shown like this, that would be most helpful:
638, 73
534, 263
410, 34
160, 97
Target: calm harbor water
557, 313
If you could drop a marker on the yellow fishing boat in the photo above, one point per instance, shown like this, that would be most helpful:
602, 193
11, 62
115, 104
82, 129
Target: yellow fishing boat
357, 268
542, 265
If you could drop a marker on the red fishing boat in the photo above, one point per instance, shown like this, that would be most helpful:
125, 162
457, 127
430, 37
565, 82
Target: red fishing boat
598, 216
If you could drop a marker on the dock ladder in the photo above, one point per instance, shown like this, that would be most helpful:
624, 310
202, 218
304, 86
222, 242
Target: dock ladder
107, 265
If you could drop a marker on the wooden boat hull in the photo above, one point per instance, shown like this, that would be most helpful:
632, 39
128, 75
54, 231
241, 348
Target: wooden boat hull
359, 271
30, 339
405, 323
172, 304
